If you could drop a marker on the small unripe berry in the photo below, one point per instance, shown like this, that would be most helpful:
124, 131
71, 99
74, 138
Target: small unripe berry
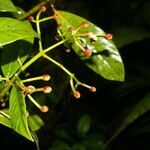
30, 89
46, 77
85, 24
87, 52
108, 36
44, 108
30, 18
55, 15
47, 89
93, 89
76, 94
42, 8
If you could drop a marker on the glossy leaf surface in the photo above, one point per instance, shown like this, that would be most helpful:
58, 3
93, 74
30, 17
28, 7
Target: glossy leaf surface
12, 30
7, 6
35, 122
105, 59
13, 55
5, 118
18, 113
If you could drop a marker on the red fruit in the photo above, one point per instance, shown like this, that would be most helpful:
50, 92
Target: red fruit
108, 36
55, 15
30, 18
93, 89
44, 108
42, 8
76, 94
85, 24
87, 52
46, 77
47, 89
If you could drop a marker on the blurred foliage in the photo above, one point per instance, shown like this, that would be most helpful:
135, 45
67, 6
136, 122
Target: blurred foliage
92, 122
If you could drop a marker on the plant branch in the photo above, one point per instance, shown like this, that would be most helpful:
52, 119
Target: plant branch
62, 67
33, 10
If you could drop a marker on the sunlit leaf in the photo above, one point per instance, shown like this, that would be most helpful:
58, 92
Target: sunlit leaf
18, 113
7, 6
13, 55
12, 30
5, 118
35, 122
105, 59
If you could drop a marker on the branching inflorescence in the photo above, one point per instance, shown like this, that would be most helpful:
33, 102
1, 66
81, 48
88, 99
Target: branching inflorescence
74, 82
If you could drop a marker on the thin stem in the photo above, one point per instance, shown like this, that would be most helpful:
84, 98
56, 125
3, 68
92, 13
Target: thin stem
38, 30
40, 54
72, 85
31, 61
32, 79
58, 64
62, 67
33, 101
46, 19
33, 10
7, 87
53, 46
78, 44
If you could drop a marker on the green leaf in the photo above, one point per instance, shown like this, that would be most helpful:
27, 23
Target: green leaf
12, 30
13, 55
138, 110
105, 59
84, 124
7, 6
5, 118
35, 122
127, 35
18, 113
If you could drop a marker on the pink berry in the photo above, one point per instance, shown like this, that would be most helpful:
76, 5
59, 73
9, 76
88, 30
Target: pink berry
85, 24
44, 108
108, 36
76, 94
87, 52
46, 77
55, 15
93, 89
42, 8
30, 18
47, 89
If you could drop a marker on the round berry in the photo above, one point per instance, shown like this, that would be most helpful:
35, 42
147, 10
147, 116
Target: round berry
76, 94
87, 52
108, 36
46, 77
93, 89
30, 89
47, 89
44, 108
55, 15
85, 24
30, 18
42, 8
